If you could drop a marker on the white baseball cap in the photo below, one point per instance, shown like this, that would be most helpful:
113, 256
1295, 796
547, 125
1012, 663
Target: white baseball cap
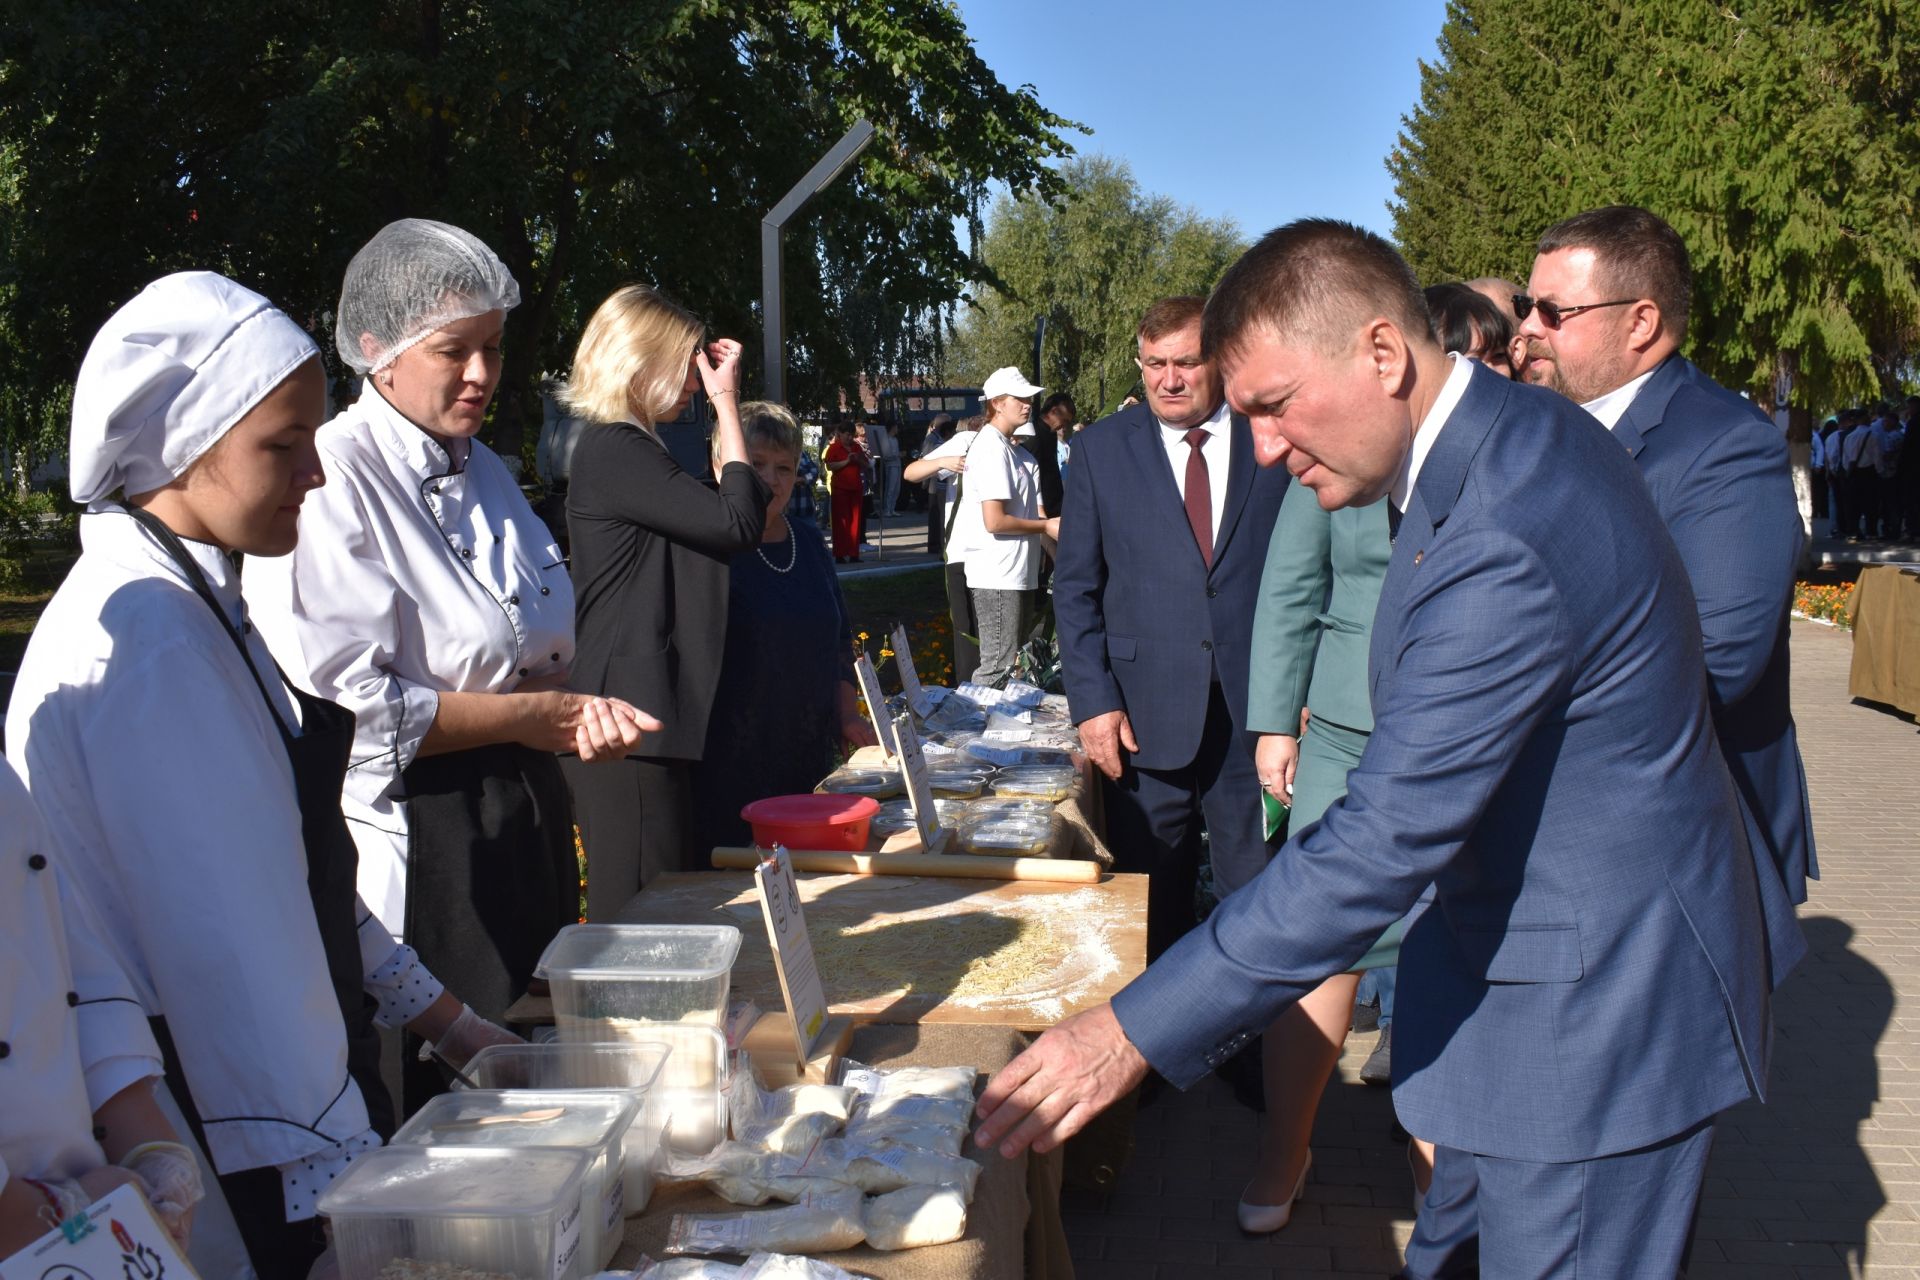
1008, 381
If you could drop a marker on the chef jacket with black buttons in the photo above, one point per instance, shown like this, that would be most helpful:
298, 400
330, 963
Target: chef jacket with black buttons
161, 772
418, 573
62, 1055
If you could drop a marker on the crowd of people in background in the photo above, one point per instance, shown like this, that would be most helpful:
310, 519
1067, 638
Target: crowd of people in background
1866, 482
353, 768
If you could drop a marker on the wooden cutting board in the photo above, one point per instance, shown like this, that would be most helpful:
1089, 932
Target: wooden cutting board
913, 937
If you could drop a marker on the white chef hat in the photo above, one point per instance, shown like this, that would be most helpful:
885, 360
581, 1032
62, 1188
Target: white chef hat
169, 374
413, 277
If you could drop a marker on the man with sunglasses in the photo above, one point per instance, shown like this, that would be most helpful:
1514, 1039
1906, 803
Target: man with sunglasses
1604, 317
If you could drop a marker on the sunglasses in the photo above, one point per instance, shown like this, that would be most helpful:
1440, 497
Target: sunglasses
1552, 314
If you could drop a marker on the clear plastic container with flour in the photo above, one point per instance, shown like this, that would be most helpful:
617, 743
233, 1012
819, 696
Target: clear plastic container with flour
491, 1211
593, 1122
664, 984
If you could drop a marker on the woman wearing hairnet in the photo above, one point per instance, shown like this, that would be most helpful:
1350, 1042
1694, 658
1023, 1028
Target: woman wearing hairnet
196, 793
428, 599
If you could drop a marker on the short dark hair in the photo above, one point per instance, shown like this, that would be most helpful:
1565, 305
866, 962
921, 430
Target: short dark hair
1057, 400
1635, 252
1170, 315
1316, 280
1461, 314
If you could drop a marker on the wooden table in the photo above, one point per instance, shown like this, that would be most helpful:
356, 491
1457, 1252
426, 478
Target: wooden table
1886, 637
1101, 929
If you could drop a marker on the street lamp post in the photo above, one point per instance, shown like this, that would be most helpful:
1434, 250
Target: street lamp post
818, 179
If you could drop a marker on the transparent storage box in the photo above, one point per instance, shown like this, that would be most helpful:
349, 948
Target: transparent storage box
1037, 782
593, 1122
606, 977
631, 1069
896, 816
881, 784
460, 1213
1024, 835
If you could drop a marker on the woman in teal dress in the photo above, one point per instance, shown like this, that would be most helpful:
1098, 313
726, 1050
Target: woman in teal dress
1311, 633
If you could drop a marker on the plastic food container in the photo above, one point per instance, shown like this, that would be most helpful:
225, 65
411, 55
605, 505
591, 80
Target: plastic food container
1037, 782
592, 1122
605, 976
881, 784
631, 1069
896, 816
492, 1210
961, 783
1004, 807
1016, 836
818, 821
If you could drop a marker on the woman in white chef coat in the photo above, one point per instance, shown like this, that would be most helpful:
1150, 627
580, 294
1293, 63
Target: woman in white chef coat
77, 1114
195, 792
428, 599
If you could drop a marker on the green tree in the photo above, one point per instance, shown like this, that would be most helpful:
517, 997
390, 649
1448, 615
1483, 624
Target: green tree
1090, 261
588, 144
1777, 136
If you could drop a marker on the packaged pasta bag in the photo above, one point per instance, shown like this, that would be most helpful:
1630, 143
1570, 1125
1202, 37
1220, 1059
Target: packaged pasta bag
823, 1223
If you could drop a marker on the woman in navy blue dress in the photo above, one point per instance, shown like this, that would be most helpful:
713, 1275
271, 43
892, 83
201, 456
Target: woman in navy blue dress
787, 702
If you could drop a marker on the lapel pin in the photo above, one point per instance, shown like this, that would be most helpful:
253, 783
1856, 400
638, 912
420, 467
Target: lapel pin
1420, 555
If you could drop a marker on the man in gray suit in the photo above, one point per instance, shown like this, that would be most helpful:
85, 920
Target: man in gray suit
1589, 988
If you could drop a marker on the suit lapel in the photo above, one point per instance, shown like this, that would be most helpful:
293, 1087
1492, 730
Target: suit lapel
1649, 408
1240, 469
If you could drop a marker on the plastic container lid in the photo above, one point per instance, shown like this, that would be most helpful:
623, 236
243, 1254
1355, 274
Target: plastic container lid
456, 1182
896, 816
689, 952
880, 784
588, 1118
630, 1065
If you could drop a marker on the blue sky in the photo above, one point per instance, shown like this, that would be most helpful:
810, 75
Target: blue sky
1259, 110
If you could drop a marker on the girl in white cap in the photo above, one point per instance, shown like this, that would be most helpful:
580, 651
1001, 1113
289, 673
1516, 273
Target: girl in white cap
430, 601
195, 791
1001, 523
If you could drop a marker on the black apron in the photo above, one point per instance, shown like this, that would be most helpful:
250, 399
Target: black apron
318, 756
491, 877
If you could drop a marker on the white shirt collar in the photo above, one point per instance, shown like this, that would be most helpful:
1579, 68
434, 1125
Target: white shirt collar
1429, 429
405, 441
1613, 406
1215, 424
123, 541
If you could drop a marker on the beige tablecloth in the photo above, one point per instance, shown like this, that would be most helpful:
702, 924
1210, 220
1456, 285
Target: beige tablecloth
1013, 1225
1886, 638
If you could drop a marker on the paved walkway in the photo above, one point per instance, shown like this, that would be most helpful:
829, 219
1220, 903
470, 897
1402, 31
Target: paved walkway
1823, 1181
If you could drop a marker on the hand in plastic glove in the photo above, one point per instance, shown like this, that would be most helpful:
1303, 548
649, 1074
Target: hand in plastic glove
171, 1176
467, 1035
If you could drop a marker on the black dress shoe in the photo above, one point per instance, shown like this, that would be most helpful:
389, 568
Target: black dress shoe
1378, 1068
1365, 1017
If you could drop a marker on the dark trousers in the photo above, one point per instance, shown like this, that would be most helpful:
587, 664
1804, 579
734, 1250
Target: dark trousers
1819, 495
1837, 503
1155, 817
966, 628
1621, 1215
1863, 506
636, 822
936, 523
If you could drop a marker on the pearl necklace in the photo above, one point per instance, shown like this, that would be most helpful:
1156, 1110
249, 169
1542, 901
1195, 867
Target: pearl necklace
793, 553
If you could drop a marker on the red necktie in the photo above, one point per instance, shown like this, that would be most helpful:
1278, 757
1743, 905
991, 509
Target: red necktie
1200, 495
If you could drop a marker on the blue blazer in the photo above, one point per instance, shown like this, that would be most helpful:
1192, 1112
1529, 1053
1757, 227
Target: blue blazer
1592, 974
1145, 625
1719, 475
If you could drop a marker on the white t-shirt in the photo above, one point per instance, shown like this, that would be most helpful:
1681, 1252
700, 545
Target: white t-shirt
997, 469
947, 482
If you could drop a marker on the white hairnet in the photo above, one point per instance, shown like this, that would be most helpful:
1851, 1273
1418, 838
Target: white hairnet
413, 277
169, 374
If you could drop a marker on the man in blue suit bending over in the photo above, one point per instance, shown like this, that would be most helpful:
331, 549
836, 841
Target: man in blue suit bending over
1162, 540
1589, 988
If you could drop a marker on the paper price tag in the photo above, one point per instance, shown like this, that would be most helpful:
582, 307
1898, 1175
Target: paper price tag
913, 767
120, 1237
909, 675
876, 701
792, 950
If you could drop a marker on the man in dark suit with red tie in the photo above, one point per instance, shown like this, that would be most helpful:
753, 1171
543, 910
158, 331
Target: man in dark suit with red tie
1162, 539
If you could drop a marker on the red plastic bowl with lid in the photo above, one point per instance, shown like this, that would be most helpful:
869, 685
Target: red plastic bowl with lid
837, 822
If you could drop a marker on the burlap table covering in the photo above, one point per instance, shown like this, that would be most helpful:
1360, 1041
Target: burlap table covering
1886, 638
1013, 1225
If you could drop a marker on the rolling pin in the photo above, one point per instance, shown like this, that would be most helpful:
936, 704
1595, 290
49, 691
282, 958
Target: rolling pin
966, 866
